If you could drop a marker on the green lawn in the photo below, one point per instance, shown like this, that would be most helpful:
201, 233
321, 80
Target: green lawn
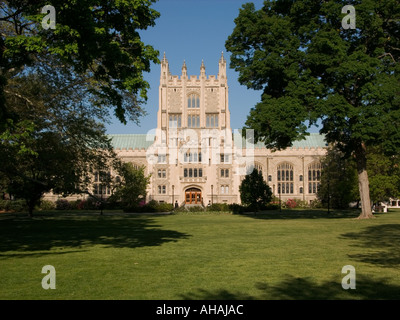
290, 255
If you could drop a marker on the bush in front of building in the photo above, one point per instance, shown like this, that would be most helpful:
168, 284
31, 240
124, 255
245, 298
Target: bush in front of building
164, 207
63, 204
151, 207
218, 207
237, 208
291, 203
316, 204
271, 206
13, 205
46, 205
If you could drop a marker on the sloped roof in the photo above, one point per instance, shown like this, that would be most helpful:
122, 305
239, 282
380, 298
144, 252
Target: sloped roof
131, 141
144, 141
314, 140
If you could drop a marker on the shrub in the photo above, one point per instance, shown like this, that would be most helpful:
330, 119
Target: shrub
165, 207
150, 207
291, 203
47, 205
82, 205
113, 205
88, 204
316, 204
74, 204
302, 204
62, 204
13, 205
196, 209
272, 206
5, 205
237, 208
218, 207
180, 209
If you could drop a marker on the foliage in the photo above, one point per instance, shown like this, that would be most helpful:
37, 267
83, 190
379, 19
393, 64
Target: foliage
236, 208
218, 207
57, 163
63, 204
13, 205
316, 204
340, 174
313, 71
132, 189
56, 85
254, 191
152, 206
165, 207
339, 184
47, 205
291, 203
384, 175
98, 41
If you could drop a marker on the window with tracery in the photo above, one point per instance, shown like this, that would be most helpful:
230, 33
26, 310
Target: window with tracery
314, 177
285, 178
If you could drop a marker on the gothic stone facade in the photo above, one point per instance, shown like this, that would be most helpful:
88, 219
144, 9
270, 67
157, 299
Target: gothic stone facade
194, 157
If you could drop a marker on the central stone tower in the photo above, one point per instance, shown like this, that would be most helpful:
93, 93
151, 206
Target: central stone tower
193, 147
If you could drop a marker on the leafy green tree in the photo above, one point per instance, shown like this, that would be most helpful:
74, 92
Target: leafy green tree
97, 40
384, 175
312, 69
55, 144
132, 189
254, 191
54, 163
339, 178
339, 183
56, 85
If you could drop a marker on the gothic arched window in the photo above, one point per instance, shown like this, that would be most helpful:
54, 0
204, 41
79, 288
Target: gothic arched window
285, 178
314, 177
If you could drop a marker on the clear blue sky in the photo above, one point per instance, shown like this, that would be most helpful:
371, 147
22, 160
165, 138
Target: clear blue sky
193, 30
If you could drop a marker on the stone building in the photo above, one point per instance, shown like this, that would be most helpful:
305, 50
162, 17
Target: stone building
195, 158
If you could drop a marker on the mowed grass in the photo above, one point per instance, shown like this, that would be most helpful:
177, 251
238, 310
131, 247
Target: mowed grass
290, 255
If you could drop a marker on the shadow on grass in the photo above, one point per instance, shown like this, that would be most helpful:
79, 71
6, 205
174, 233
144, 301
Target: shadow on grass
303, 214
292, 288
383, 242
69, 232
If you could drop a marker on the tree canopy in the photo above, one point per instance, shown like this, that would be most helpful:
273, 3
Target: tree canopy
98, 41
339, 177
314, 72
58, 86
132, 189
254, 191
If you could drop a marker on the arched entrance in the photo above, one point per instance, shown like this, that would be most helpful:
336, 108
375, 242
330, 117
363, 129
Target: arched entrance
193, 196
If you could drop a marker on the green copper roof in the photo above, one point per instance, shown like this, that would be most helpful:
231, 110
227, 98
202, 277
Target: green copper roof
144, 141
131, 141
314, 140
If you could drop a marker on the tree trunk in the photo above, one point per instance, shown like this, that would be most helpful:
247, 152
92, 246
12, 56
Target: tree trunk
363, 183
30, 208
31, 203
